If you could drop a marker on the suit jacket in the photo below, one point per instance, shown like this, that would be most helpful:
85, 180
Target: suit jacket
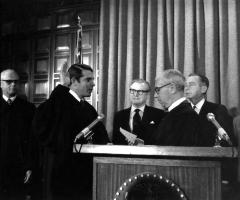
150, 120
208, 129
180, 127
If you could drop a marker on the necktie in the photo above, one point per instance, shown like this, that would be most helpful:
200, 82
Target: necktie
82, 103
9, 101
136, 122
195, 108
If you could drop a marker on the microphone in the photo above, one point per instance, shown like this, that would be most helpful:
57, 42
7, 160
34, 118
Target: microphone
222, 134
87, 132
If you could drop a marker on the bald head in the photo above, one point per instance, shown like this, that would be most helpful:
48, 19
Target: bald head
9, 74
9, 80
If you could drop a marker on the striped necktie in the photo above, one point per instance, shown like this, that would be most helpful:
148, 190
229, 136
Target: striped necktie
195, 108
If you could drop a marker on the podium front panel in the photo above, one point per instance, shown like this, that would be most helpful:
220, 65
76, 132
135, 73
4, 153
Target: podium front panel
199, 179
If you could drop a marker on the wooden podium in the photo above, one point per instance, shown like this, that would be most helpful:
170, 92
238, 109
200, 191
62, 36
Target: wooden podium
196, 170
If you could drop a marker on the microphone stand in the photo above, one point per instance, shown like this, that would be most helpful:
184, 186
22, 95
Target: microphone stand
89, 138
217, 142
86, 134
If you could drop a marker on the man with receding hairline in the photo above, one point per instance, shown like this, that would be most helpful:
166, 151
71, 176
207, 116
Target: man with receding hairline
196, 87
16, 117
149, 117
180, 127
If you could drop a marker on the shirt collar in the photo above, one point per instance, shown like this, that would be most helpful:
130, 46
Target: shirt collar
74, 94
199, 104
176, 103
133, 108
6, 98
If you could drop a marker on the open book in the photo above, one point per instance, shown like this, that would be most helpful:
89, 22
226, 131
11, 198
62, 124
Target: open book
131, 138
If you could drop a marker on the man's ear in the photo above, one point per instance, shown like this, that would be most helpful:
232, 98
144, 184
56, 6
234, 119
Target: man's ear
172, 88
204, 89
73, 80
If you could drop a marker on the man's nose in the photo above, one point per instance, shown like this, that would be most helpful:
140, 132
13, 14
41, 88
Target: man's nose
136, 94
13, 83
155, 95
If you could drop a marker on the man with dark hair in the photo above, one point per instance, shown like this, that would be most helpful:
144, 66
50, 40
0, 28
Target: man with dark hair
66, 175
149, 117
16, 117
196, 87
180, 127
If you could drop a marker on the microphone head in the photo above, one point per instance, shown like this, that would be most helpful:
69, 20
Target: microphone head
210, 116
100, 116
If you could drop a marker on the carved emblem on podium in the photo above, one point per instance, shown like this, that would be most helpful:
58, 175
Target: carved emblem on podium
149, 186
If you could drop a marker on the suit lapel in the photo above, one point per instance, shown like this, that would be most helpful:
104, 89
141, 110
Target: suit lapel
145, 114
126, 117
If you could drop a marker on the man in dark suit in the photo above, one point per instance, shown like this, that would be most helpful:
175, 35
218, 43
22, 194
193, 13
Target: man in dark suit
16, 117
196, 87
149, 117
56, 124
180, 127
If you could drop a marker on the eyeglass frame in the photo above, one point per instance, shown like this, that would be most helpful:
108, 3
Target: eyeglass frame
11, 81
157, 89
139, 92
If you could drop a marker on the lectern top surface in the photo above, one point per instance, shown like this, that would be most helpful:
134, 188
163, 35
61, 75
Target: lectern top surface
150, 150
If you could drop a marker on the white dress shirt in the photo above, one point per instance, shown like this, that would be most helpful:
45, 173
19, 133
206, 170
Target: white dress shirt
198, 106
6, 98
74, 94
176, 103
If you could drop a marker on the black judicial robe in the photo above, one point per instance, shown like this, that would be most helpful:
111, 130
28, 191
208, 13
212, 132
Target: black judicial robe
209, 131
180, 127
15, 138
56, 124
150, 120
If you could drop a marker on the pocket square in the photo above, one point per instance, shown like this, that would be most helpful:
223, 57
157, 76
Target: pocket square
152, 122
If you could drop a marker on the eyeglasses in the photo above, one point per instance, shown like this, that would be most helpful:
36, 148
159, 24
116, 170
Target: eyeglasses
139, 92
10, 81
157, 89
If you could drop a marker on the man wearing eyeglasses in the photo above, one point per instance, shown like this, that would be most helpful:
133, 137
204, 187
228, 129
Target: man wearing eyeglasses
16, 117
181, 125
139, 118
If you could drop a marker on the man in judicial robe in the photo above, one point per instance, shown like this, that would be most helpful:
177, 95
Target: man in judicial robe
196, 91
16, 117
150, 117
56, 124
180, 127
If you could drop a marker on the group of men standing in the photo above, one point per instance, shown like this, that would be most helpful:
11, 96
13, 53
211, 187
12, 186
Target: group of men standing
184, 119
54, 125
47, 132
